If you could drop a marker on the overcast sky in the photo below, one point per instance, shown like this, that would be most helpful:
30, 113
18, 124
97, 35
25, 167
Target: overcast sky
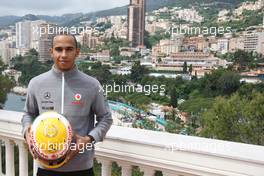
56, 7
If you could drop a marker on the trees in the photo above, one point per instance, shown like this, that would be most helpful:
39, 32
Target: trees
5, 86
148, 124
2, 67
29, 66
238, 118
173, 98
103, 26
228, 83
173, 127
113, 44
219, 121
100, 72
152, 40
220, 82
190, 69
147, 42
196, 105
138, 71
174, 123
244, 60
249, 18
185, 67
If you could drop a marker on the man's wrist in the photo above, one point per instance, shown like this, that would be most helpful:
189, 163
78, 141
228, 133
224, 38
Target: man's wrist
26, 132
91, 139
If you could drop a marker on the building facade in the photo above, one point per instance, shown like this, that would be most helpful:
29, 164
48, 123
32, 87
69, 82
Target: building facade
6, 52
236, 44
223, 45
201, 62
35, 33
88, 40
45, 44
136, 22
254, 42
23, 32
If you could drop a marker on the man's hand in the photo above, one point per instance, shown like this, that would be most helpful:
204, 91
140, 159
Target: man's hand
29, 143
81, 143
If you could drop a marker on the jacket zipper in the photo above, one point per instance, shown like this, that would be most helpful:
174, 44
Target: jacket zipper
62, 94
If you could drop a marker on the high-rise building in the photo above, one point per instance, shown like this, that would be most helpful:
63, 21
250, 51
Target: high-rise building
28, 34
88, 40
6, 52
23, 33
223, 45
35, 33
263, 22
254, 42
136, 22
45, 43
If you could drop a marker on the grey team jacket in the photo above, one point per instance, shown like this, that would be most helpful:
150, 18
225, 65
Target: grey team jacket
79, 98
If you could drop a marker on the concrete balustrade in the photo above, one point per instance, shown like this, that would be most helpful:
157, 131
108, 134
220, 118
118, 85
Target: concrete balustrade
173, 155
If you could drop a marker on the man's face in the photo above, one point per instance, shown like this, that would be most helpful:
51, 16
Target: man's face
64, 52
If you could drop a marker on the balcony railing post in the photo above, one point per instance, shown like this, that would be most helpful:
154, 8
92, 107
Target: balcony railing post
106, 166
1, 173
148, 171
168, 173
35, 167
126, 169
23, 159
10, 160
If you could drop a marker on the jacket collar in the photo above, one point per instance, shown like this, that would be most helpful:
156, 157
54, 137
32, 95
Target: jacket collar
58, 72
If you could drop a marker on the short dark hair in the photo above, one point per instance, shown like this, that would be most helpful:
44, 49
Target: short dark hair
74, 38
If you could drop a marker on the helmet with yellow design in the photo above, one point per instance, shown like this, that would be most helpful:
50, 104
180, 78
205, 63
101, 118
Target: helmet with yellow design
51, 136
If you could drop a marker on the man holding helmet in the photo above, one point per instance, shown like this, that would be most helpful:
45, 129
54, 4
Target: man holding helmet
76, 96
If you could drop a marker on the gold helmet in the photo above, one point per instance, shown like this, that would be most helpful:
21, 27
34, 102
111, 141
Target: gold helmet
51, 136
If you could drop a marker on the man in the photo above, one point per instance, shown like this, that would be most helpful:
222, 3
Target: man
75, 95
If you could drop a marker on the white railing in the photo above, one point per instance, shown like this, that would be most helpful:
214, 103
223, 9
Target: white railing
173, 155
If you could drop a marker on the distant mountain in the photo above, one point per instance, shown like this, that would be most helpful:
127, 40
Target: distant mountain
8, 20
156, 4
74, 19
29, 17
150, 5
11, 20
60, 19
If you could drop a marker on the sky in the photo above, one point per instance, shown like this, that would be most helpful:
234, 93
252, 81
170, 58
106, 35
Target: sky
56, 7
